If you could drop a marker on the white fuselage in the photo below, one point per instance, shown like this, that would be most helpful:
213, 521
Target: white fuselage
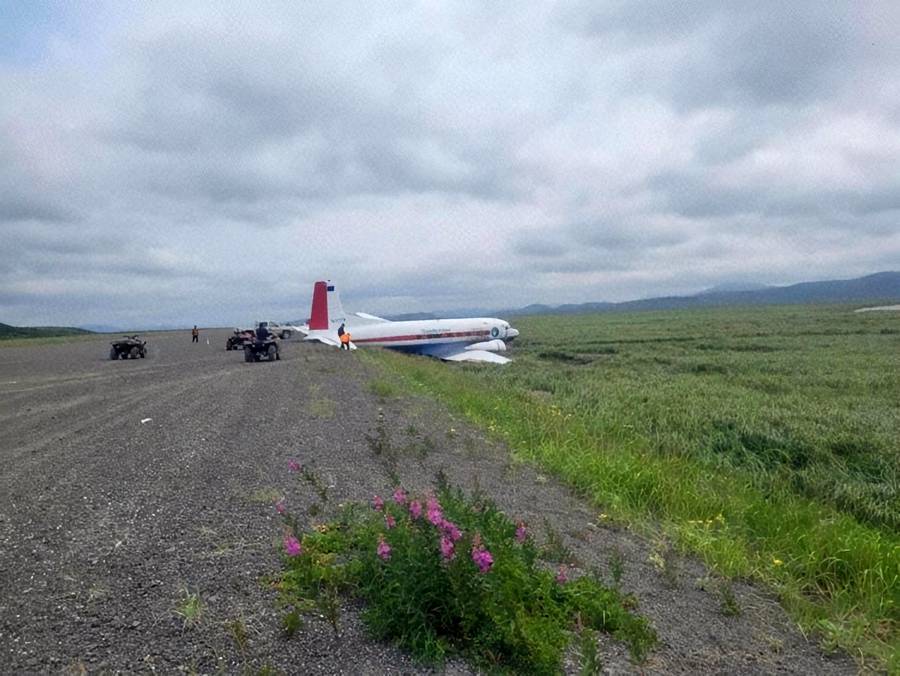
431, 335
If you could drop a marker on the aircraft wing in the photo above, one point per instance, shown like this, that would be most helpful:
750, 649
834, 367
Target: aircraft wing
370, 318
476, 355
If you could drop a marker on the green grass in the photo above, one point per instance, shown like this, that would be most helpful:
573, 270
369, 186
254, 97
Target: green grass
383, 389
764, 440
48, 340
8, 332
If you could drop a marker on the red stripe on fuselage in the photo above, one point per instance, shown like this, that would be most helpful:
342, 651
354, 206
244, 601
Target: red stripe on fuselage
425, 336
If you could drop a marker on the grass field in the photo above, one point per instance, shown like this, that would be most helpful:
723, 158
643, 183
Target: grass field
15, 334
765, 440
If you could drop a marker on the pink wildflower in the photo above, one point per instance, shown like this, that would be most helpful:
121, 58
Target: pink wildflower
451, 530
377, 503
389, 521
482, 559
561, 575
415, 510
435, 515
447, 548
521, 533
292, 546
293, 465
400, 496
384, 549
279, 506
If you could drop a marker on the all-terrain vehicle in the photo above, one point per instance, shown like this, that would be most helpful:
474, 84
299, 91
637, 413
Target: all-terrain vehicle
128, 346
256, 349
241, 336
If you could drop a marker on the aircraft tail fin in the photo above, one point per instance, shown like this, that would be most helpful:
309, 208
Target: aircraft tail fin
326, 311
318, 314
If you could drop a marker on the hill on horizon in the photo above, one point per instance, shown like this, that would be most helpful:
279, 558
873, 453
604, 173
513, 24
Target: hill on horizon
8, 331
877, 287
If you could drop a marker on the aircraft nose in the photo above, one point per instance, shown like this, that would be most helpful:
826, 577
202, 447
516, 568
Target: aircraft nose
511, 333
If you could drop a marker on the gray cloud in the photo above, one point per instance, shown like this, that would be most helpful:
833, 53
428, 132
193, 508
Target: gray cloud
24, 208
158, 160
628, 234
538, 247
697, 195
715, 53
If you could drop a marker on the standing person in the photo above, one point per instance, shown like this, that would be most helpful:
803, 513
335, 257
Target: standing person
341, 330
345, 340
195, 335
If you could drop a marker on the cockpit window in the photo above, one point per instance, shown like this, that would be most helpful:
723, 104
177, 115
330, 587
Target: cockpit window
495, 332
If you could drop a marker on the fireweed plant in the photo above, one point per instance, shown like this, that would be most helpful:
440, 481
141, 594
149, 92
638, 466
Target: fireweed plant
442, 574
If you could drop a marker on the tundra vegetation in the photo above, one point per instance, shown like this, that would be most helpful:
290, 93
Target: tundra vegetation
764, 440
19, 336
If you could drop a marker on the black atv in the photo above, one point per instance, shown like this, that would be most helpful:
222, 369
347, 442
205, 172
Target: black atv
256, 349
236, 341
128, 346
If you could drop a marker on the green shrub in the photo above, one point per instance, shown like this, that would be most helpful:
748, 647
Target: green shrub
447, 575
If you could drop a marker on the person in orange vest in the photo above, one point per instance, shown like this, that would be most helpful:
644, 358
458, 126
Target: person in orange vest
195, 335
345, 340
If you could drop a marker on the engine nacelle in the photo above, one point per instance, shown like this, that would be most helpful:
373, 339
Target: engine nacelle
489, 346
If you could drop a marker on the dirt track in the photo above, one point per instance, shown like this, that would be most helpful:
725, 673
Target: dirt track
109, 521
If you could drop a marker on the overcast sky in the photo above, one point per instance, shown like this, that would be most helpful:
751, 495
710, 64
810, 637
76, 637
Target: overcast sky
190, 162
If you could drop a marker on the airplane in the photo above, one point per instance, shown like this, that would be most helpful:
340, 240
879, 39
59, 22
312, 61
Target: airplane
469, 339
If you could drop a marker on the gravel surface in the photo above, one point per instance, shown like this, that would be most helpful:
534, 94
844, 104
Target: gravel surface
131, 489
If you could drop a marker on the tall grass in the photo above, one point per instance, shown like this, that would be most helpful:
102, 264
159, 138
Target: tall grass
764, 440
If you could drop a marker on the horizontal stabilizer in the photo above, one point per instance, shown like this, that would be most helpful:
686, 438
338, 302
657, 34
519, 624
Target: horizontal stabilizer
322, 338
327, 337
476, 355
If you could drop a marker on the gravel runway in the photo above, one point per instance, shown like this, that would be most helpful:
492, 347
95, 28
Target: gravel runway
129, 488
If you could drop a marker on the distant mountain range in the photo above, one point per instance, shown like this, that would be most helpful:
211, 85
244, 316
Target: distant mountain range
881, 286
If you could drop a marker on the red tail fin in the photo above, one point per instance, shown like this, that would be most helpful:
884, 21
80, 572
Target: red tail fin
318, 315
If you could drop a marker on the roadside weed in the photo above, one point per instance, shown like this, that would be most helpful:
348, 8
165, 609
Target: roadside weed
262, 495
665, 560
587, 652
380, 441
444, 574
727, 600
322, 407
291, 622
238, 631
616, 566
190, 608
554, 549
